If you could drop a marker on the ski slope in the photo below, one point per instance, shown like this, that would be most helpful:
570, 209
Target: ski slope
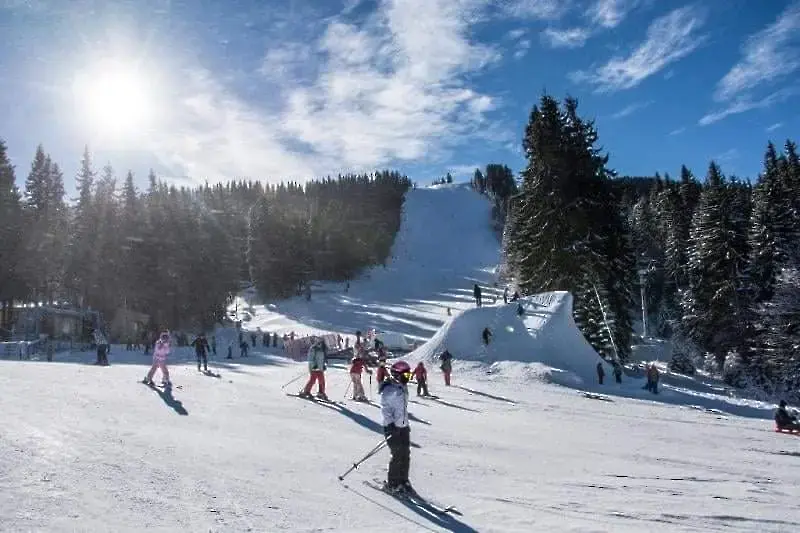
86, 448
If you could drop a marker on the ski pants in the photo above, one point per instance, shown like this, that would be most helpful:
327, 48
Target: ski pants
159, 364
202, 357
358, 387
422, 386
102, 354
600, 378
400, 460
446, 376
317, 376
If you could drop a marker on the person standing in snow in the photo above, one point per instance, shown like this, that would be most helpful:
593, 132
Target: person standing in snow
201, 350
476, 291
316, 370
243, 347
617, 372
652, 378
487, 335
160, 353
102, 347
358, 365
601, 373
421, 375
381, 374
505, 295
394, 408
447, 366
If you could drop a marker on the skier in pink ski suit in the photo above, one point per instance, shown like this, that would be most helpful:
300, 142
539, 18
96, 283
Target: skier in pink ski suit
160, 353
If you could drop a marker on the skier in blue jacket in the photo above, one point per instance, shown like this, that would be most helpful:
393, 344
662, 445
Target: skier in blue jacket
394, 407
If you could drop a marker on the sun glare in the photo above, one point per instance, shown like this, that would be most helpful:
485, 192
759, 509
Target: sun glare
114, 98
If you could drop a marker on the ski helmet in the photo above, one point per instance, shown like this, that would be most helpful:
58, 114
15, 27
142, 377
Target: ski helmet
401, 371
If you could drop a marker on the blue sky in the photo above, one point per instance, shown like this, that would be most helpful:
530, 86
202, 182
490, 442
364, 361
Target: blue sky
301, 88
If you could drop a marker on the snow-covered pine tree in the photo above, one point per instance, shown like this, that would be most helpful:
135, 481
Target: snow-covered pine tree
566, 232
714, 311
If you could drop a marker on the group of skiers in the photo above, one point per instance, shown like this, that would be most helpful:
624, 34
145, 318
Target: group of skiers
601, 372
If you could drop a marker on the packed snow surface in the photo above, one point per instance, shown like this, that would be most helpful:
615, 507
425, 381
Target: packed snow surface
87, 448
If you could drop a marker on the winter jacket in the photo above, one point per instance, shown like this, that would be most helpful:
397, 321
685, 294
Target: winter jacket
358, 365
316, 358
381, 374
99, 338
394, 403
421, 373
447, 363
161, 350
200, 345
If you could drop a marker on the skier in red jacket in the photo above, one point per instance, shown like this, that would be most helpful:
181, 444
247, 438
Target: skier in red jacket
358, 365
421, 375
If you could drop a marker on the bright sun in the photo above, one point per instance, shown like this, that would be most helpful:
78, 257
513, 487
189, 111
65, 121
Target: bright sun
115, 97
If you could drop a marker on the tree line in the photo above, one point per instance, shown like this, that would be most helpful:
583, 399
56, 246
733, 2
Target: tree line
719, 258
177, 254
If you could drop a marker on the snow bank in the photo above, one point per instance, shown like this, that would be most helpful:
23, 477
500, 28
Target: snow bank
546, 335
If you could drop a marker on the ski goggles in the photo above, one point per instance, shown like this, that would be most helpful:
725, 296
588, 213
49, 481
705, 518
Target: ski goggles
407, 375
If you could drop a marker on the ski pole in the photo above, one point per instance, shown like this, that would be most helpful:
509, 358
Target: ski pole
372, 452
293, 380
347, 389
370, 385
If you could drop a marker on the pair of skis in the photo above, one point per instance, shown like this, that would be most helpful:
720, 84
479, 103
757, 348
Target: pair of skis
413, 498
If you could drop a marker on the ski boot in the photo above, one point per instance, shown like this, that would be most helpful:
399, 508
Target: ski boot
304, 394
322, 396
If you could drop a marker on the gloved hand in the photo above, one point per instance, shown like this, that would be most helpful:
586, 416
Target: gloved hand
389, 430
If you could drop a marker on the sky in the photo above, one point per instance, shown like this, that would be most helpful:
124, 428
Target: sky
298, 89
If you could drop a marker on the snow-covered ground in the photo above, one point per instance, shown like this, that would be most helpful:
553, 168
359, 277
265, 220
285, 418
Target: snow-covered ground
86, 448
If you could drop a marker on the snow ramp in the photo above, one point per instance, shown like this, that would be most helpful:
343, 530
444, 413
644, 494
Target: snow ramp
546, 334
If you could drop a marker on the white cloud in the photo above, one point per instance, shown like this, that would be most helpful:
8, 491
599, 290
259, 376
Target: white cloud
375, 95
727, 155
768, 55
775, 126
568, 38
669, 39
630, 109
536, 9
610, 13
677, 131
516, 34
746, 104
522, 48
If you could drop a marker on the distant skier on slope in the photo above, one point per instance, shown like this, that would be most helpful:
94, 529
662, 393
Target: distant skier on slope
316, 370
476, 291
785, 420
394, 408
601, 373
357, 366
102, 347
421, 375
447, 366
201, 350
486, 335
160, 353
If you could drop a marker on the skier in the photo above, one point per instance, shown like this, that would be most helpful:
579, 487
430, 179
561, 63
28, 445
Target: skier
381, 374
421, 375
201, 350
447, 366
102, 348
160, 353
316, 370
487, 335
600, 372
394, 407
652, 378
476, 291
214, 344
505, 295
243, 347
617, 372
785, 420
358, 365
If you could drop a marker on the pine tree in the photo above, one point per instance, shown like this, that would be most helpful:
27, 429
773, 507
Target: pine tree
10, 242
566, 233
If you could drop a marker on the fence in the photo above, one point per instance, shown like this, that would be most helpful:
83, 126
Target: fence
20, 350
